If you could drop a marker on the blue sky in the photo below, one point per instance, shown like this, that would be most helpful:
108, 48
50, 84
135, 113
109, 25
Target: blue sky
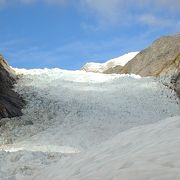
69, 33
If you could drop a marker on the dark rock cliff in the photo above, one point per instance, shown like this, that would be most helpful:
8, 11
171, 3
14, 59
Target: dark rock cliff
10, 102
177, 85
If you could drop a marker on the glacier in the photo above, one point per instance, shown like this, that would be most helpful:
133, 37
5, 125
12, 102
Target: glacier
80, 125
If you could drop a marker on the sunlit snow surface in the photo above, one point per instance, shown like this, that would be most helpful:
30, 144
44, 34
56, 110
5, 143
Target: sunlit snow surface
101, 67
79, 125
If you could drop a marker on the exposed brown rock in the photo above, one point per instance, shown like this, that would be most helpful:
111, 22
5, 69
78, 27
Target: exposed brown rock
10, 102
161, 58
113, 70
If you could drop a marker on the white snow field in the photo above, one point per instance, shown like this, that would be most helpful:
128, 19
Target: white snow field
101, 67
90, 126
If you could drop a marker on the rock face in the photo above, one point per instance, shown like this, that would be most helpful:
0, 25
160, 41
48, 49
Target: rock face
177, 85
161, 58
10, 102
114, 70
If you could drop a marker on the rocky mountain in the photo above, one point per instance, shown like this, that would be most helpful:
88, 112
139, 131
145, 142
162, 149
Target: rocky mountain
114, 70
161, 58
10, 102
110, 65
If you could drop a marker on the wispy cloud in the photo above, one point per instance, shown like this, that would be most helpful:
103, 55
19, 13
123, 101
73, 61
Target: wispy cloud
128, 11
105, 10
27, 2
2, 3
114, 11
152, 20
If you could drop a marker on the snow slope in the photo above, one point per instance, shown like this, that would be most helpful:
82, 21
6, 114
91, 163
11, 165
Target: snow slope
101, 67
77, 125
145, 152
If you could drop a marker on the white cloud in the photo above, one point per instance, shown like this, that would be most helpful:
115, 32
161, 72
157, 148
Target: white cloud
118, 11
169, 4
152, 20
108, 6
104, 9
26, 2
2, 3
127, 12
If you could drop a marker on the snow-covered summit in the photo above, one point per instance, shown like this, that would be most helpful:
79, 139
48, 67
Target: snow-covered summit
101, 67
